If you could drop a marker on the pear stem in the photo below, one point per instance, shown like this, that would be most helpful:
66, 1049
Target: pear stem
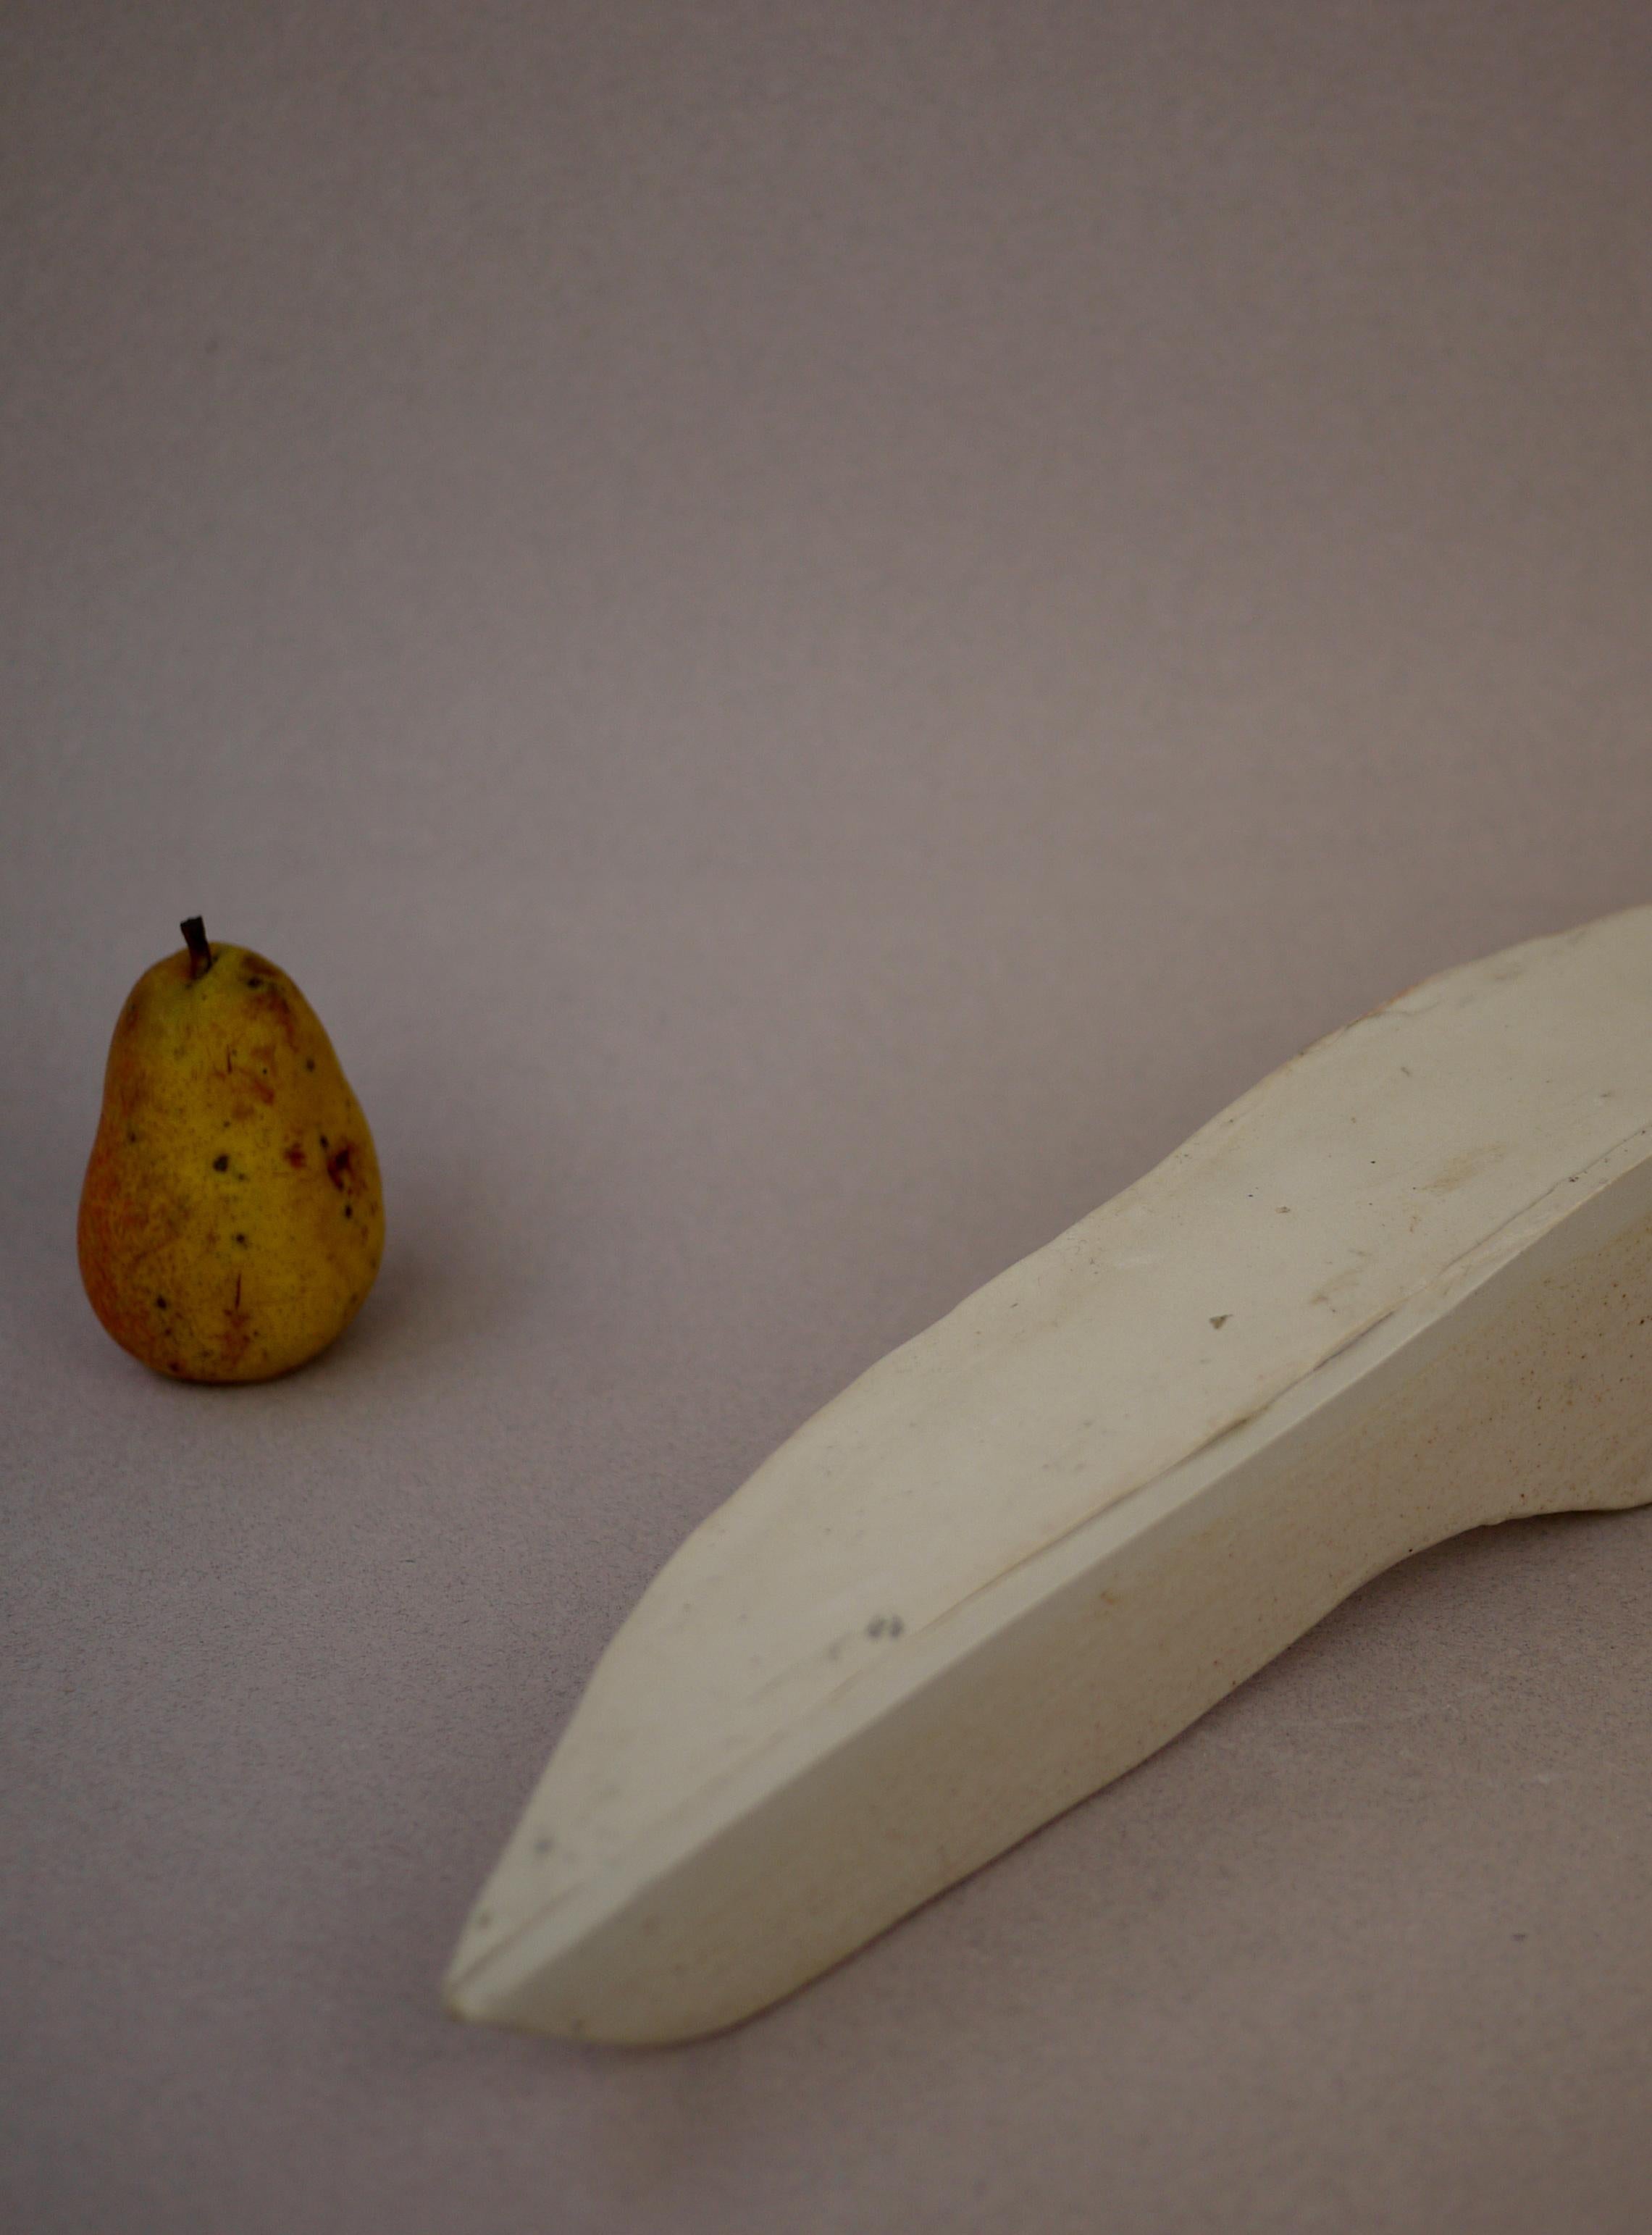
200, 955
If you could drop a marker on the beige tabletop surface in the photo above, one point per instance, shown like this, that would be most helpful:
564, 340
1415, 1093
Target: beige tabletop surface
815, 629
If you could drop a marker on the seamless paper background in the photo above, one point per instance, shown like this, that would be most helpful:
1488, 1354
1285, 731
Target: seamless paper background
815, 629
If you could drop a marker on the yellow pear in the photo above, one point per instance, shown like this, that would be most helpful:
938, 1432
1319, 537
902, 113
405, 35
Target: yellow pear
230, 1222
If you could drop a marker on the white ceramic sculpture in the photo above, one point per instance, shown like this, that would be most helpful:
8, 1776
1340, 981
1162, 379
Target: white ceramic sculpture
1400, 1288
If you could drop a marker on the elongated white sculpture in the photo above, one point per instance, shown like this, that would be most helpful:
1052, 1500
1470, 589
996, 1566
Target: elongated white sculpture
1400, 1288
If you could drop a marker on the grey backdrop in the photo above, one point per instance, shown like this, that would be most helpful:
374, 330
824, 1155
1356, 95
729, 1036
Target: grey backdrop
816, 628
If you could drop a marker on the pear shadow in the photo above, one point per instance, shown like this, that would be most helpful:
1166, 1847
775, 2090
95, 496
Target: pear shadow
456, 1270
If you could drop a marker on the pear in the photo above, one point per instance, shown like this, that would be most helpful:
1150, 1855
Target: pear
231, 1221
